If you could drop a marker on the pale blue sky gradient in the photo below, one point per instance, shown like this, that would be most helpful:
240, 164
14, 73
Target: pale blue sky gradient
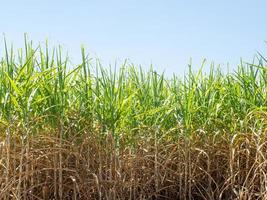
166, 33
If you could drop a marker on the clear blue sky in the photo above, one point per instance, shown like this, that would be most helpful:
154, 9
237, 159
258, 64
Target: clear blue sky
166, 33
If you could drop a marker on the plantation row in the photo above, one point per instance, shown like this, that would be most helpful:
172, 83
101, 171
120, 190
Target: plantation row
90, 132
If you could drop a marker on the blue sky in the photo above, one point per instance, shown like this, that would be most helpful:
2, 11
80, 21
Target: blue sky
166, 33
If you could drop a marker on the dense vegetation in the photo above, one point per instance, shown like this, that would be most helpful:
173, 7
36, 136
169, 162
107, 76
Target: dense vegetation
90, 132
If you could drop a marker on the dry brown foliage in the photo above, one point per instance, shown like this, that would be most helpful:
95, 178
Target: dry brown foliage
210, 167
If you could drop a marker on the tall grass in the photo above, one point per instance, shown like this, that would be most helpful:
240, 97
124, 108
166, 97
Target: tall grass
92, 132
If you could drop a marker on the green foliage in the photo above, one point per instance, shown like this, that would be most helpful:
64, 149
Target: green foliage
39, 83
